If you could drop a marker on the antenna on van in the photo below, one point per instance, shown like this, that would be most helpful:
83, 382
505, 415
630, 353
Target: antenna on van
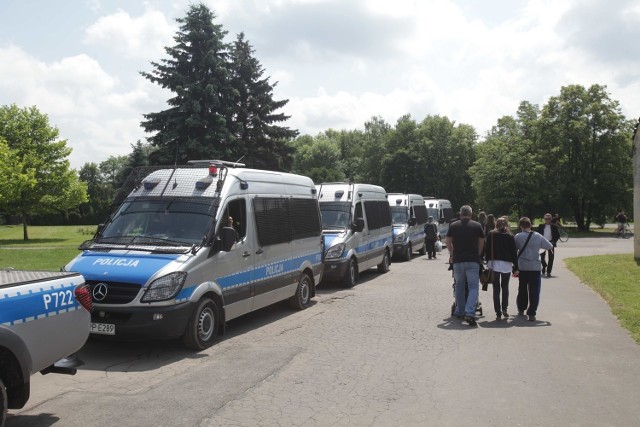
236, 162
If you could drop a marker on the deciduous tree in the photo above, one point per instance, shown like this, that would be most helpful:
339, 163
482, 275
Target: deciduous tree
46, 183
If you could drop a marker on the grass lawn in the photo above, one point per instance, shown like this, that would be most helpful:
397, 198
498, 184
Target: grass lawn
617, 279
48, 247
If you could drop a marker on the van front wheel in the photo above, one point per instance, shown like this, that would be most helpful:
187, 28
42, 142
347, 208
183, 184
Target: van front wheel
302, 297
383, 267
4, 403
351, 277
202, 328
408, 252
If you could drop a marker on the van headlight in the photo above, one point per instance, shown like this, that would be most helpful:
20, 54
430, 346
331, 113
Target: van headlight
400, 238
165, 287
335, 251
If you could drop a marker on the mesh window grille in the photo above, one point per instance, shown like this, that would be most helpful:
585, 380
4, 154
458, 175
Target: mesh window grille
272, 220
305, 218
372, 211
420, 213
280, 220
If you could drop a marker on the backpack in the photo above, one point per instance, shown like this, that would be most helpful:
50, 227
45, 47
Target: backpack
431, 231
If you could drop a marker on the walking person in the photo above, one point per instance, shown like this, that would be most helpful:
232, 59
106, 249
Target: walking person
431, 236
465, 241
529, 244
551, 232
503, 260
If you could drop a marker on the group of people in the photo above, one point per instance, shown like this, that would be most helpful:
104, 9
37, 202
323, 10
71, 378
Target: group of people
471, 242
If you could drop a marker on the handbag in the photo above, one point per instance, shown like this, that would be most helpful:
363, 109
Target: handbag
486, 277
486, 274
438, 246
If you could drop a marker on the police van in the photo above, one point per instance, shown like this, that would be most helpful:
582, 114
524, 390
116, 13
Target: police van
442, 213
190, 247
356, 228
408, 216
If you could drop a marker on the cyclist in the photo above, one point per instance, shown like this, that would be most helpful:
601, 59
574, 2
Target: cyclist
621, 219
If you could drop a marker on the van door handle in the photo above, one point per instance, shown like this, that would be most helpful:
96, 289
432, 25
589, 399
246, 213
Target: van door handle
246, 254
259, 251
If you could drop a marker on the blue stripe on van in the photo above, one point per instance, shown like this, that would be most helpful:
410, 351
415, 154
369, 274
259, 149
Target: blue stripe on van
20, 307
257, 274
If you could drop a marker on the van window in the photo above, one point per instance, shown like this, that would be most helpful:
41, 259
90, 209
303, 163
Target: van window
399, 215
237, 211
272, 220
335, 214
378, 214
305, 218
420, 214
281, 220
358, 211
177, 220
447, 214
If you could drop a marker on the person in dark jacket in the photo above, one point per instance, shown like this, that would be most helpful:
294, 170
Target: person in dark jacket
502, 257
431, 237
551, 232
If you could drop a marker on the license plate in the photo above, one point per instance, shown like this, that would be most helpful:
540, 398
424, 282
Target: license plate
103, 328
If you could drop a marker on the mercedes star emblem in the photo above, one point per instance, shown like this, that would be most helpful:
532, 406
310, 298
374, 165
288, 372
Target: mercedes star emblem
100, 291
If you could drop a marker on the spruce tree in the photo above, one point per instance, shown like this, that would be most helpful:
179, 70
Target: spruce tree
257, 138
195, 126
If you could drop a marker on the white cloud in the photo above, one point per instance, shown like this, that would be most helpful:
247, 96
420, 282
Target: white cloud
142, 37
339, 63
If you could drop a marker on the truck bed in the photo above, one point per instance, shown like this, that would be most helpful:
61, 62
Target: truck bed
12, 277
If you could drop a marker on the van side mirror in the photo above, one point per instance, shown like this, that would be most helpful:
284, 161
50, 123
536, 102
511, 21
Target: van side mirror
413, 221
358, 224
228, 238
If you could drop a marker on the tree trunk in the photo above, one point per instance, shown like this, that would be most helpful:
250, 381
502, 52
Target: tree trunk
25, 234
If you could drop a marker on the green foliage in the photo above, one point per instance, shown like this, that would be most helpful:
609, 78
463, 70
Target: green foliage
222, 107
615, 278
571, 158
590, 144
257, 139
195, 124
43, 181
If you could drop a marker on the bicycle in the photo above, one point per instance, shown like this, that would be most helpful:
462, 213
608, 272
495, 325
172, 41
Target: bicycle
624, 231
564, 236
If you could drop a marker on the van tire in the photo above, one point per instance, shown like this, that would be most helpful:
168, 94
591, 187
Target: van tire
4, 403
407, 253
202, 329
302, 297
351, 275
423, 249
383, 267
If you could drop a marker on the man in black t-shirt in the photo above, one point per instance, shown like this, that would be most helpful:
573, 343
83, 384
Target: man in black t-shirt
465, 241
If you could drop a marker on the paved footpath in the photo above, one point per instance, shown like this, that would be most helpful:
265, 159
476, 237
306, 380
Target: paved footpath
385, 353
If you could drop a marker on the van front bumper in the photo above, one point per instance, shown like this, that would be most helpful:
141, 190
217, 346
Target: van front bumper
335, 270
151, 322
399, 248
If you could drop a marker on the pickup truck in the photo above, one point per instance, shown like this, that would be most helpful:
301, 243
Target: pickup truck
44, 318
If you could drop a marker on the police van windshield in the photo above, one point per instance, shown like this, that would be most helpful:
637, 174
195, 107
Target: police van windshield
335, 214
166, 221
399, 215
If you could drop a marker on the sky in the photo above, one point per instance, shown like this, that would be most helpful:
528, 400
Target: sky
338, 62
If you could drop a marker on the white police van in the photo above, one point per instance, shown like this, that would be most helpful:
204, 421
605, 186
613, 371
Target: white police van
408, 216
442, 213
188, 248
356, 228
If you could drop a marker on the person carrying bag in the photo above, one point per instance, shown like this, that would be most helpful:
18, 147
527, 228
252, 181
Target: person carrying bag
502, 262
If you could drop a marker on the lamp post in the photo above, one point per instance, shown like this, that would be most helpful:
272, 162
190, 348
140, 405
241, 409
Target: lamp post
636, 192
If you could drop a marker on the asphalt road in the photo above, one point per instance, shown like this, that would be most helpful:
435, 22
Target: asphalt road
385, 353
